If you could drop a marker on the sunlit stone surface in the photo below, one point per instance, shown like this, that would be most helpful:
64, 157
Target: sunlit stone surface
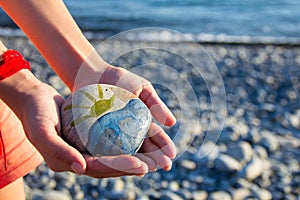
105, 120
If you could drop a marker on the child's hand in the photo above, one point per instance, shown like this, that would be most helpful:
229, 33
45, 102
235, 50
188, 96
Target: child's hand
158, 149
42, 124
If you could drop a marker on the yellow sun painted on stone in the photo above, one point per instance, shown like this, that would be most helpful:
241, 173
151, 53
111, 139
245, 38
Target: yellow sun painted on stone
98, 107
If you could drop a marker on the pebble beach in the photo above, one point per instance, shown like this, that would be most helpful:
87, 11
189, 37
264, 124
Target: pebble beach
257, 155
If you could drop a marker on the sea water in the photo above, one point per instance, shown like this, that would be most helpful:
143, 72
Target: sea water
208, 19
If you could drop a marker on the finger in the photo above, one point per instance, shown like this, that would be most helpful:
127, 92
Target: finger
157, 136
151, 150
58, 154
113, 166
149, 161
157, 107
144, 89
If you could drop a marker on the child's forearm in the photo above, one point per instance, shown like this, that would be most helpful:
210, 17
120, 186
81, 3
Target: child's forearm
53, 31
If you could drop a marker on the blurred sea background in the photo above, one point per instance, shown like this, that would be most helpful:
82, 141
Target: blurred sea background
205, 20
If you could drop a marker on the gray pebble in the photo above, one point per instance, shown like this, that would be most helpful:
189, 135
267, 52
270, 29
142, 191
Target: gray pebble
131, 194
50, 195
263, 194
168, 195
115, 195
199, 195
142, 197
241, 182
228, 135
268, 107
209, 152
253, 169
188, 164
260, 151
78, 195
241, 128
269, 141
119, 185
154, 194
241, 151
254, 135
184, 193
164, 184
51, 185
295, 120
44, 180
28, 191
219, 195
292, 197
94, 193
186, 183
227, 164
241, 193
195, 177
57, 83
209, 181
174, 186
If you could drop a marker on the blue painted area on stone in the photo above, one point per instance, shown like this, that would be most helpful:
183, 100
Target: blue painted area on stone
125, 129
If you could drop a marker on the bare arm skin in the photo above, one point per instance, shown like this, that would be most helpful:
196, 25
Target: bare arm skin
51, 28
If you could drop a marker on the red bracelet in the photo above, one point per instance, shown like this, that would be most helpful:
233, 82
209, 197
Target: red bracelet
12, 62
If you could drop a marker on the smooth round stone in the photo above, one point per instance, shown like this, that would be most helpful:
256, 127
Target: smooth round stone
263, 194
241, 193
219, 195
199, 195
269, 141
50, 195
227, 164
241, 151
169, 195
105, 120
253, 169
188, 164
260, 151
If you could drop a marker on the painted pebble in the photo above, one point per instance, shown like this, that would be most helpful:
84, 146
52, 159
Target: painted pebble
105, 120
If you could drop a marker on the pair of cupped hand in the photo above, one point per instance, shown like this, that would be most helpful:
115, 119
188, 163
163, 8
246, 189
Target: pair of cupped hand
41, 121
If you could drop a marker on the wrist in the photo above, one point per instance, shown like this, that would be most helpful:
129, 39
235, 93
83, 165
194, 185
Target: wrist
15, 77
15, 88
93, 71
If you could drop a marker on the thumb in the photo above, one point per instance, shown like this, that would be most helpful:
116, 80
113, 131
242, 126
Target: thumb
59, 155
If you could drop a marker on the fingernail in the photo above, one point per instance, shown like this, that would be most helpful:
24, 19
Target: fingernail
153, 170
168, 168
140, 175
77, 168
